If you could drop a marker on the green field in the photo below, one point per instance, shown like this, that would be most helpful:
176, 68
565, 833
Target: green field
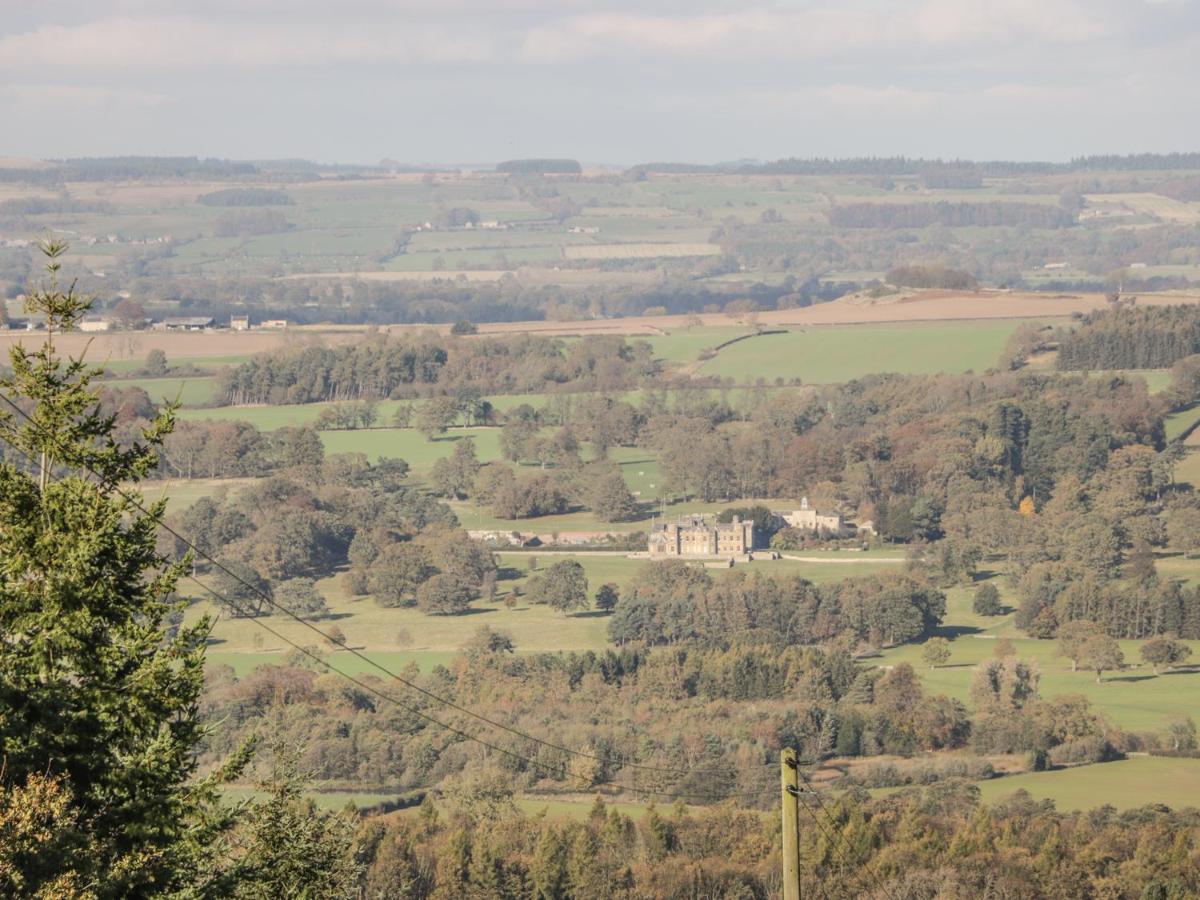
183, 492
827, 355
329, 800
1134, 698
397, 637
685, 346
1157, 380
1124, 784
268, 418
207, 363
1188, 469
195, 391
1179, 422
477, 518
411, 445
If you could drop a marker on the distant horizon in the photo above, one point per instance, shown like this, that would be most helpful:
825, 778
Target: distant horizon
14, 160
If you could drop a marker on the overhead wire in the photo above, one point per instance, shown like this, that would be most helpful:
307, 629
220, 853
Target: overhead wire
834, 845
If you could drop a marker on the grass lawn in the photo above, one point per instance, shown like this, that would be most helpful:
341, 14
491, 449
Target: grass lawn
406, 635
1157, 380
476, 518
685, 346
831, 355
182, 492
1179, 567
194, 391
1134, 698
1188, 469
396, 638
245, 662
1125, 784
330, 800
118, 366
1178, 422
410, 445
268, 418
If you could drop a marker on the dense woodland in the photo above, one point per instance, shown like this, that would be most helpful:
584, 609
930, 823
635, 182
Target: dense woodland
1131, 337
936, 842
578, 721
409, 366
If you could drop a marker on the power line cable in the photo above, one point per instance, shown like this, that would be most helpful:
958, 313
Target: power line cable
833, 843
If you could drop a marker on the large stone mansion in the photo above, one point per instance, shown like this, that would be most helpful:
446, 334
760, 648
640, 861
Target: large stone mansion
699, 536
808, 519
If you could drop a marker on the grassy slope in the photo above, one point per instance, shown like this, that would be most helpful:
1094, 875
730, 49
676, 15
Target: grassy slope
188, 391
1134, 698
828, 355
1125, 784
1177, 423
396, 637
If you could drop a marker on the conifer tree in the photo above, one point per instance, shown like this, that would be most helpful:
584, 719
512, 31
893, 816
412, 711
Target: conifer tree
95, 693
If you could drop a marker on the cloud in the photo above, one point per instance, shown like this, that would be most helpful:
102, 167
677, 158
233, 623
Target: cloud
954, 26
128, 44
700, 79
78, 95
266, 33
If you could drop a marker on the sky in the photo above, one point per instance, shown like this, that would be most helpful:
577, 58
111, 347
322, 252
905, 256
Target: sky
477, 81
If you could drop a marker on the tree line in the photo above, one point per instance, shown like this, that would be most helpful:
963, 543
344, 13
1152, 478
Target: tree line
949, 215
1131, 337
400, 367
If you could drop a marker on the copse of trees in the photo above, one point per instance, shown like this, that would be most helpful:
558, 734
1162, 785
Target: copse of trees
540, 167
246, 196
801, 696
676, 853
382, 368
235, 449
303, 524
931, 276
1131, 337
671, 603
948, 215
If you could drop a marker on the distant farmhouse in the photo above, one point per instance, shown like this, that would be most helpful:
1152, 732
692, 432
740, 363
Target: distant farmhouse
186, 323
808, 519
701, 537
95, 323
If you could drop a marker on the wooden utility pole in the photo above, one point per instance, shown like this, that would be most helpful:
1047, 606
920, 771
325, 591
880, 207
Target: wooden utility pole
789, 782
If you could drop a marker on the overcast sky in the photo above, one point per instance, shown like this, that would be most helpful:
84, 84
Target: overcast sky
618, 82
